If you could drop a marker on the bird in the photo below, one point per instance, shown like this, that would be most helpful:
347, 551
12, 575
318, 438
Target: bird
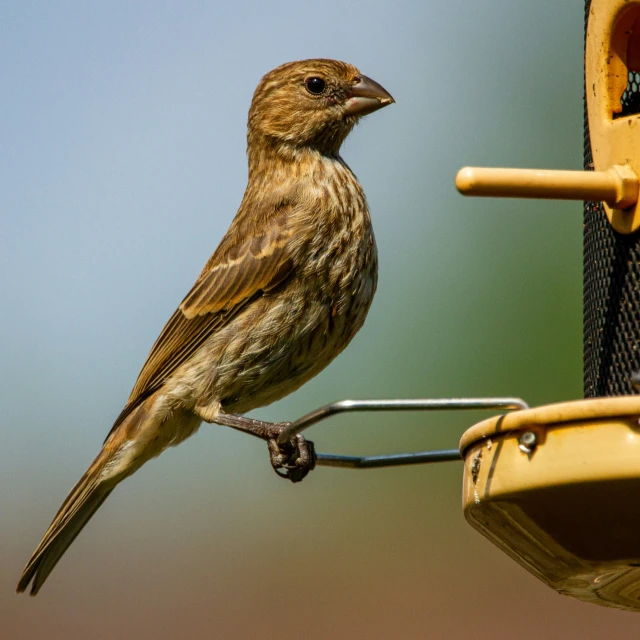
285, 291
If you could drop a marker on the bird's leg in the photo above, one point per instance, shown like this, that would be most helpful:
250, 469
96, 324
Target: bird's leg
293, 460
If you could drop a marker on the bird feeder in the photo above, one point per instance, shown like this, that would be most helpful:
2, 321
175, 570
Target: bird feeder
555, 487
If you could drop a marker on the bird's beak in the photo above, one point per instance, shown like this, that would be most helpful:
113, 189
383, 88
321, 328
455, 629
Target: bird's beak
366, 96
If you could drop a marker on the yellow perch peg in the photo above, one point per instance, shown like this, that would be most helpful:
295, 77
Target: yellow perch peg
618, 186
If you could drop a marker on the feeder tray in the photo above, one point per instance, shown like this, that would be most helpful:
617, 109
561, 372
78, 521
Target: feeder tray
556, 488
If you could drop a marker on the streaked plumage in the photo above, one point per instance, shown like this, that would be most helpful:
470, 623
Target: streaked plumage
283, 294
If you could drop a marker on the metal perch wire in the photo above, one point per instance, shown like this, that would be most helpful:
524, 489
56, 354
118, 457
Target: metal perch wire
388, 460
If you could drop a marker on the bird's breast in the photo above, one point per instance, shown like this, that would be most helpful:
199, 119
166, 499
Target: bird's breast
342, 257
290, 333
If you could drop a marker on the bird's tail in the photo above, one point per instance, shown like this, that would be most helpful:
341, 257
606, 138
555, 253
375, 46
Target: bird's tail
113, 464
81, 503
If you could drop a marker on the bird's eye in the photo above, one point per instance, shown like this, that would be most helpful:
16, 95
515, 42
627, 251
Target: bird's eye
315, 85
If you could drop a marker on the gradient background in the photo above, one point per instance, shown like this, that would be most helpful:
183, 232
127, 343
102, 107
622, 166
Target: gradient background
122, 136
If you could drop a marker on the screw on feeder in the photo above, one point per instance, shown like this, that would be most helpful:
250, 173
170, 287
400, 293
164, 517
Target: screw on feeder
527, 442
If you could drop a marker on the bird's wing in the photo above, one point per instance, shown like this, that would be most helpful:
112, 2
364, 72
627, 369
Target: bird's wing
231, 279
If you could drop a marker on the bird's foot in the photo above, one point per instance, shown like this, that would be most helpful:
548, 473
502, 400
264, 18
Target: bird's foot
292, 460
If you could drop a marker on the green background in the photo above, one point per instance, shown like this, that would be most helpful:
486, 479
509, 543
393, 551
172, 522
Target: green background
122, 128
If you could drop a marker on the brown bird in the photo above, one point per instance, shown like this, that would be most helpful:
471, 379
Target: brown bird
283, 294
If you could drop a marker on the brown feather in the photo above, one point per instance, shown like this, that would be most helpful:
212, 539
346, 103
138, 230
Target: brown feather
82, 502
227, 283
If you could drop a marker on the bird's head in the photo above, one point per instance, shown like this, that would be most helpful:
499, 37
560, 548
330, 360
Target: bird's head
313, 104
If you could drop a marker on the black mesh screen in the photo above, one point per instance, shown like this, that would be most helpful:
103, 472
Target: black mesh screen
611, 286
631, 97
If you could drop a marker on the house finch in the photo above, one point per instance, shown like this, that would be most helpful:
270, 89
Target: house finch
283, 294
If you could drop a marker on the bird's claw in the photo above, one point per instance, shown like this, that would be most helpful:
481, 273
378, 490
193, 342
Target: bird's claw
294, 460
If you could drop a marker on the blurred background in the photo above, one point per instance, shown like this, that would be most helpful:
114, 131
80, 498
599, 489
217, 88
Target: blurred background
122, 130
